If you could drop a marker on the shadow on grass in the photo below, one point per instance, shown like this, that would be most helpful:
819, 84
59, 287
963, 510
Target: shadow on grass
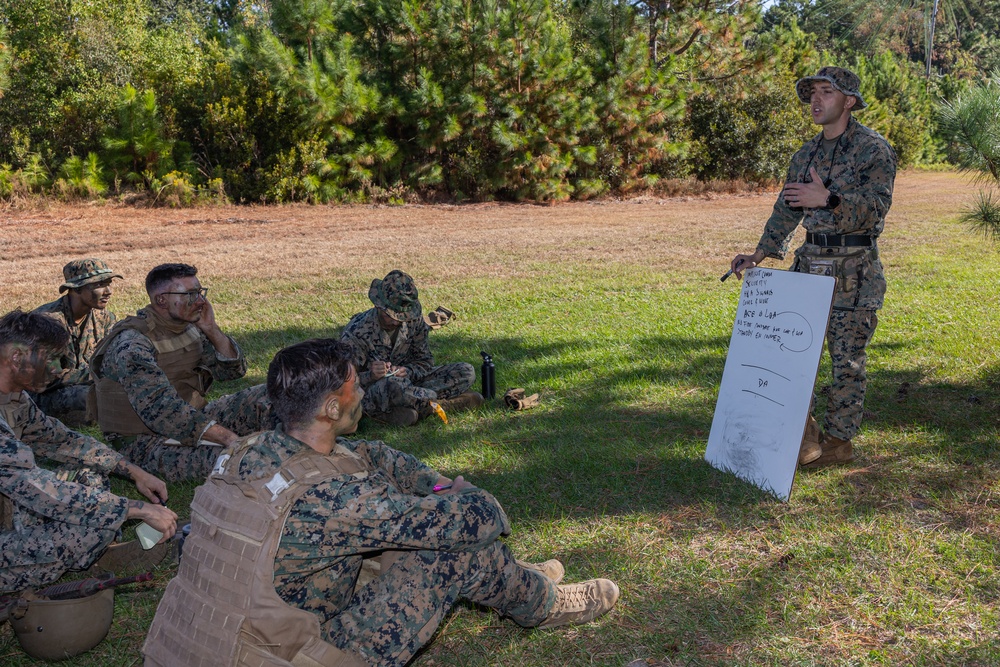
592, 449
589, 451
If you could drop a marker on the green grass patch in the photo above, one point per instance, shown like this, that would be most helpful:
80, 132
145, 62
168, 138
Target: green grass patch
892, 560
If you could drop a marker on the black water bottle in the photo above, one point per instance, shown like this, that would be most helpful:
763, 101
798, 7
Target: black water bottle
487, 376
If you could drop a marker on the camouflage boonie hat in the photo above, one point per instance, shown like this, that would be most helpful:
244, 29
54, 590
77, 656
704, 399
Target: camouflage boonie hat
82, 272
841, 79
397, 295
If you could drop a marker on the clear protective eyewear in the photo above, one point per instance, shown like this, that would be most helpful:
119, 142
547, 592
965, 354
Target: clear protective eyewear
193, 295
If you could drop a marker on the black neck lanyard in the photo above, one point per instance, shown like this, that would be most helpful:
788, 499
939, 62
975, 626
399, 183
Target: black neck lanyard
812, 156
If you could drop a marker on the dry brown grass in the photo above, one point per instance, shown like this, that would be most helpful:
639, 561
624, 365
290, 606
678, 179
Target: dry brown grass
348, 244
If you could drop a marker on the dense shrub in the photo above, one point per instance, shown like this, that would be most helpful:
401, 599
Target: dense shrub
386, 100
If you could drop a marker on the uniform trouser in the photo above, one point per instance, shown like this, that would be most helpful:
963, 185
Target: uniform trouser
445, 381
847, 339
68, 404
38, 555
39, 550
388, 620
243, 413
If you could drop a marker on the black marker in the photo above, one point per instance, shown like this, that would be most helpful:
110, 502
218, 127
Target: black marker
729, 272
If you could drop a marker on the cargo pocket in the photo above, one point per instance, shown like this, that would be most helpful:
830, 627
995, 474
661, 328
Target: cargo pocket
849, 273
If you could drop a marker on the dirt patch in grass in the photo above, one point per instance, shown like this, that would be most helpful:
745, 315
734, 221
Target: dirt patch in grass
351, 244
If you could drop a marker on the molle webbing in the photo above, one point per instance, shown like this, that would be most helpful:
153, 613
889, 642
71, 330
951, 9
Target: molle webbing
177, 355
222, 609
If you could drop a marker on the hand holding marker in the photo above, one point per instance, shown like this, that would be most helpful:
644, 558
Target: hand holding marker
730, 272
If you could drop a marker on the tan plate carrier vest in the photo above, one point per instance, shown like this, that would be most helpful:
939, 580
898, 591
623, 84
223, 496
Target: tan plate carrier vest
221, 610
177, 355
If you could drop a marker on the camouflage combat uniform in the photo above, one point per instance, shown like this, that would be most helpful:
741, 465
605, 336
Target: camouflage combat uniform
407, 347
860, 168
435, 549
172, 451
47, 525
68, 393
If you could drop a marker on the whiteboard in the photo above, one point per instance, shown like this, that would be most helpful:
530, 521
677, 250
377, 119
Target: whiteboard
767, 384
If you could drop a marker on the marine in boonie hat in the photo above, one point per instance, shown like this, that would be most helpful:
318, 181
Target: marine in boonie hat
841, 79
396, 295
82, 272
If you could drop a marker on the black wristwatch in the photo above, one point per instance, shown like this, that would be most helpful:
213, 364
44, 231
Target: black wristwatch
832, 201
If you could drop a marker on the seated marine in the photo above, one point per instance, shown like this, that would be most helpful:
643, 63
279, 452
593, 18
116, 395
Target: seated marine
394, 361
152, 374
83, 313
49, 525
287, 519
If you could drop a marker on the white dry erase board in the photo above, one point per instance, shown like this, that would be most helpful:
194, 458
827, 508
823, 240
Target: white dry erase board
778, 336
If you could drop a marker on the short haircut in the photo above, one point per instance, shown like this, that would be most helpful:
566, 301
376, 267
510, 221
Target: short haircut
33, 330
301, 375
164, 274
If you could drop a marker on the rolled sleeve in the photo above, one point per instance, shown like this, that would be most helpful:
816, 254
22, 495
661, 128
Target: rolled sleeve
223, 368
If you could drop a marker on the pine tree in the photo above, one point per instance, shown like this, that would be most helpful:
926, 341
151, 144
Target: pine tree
972, 122
311, 66
138, 151
635, 104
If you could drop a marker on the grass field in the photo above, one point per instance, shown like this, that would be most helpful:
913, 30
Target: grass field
614, 313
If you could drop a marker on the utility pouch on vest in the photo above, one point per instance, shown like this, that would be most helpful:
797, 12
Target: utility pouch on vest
848, 269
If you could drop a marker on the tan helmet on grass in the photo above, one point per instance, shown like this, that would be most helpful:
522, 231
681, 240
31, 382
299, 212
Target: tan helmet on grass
59, 629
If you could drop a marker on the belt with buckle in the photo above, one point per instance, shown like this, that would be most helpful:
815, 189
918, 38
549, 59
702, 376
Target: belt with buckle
842, 240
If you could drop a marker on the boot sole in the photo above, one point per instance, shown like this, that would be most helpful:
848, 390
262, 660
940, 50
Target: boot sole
810, 456
833, 457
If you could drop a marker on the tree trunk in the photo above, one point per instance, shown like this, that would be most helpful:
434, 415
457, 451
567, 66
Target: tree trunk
929, 56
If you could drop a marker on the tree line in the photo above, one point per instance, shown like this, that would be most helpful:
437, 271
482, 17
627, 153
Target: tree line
176, 101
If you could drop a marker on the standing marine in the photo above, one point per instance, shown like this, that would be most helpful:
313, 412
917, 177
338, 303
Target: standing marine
83, 313
394, 360
839, 187
152, 374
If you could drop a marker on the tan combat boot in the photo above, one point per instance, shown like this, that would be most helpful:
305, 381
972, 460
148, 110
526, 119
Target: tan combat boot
835, 451
398, 416
552, 569
515, 399
811, 448
438, 317
581, 603
466, 401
